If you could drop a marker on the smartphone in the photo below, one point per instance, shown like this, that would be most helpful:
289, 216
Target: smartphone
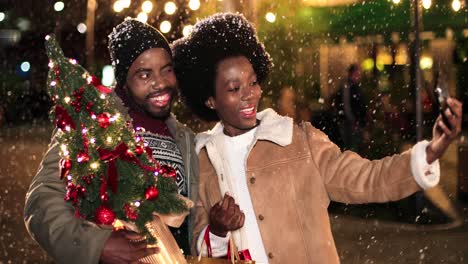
441, 96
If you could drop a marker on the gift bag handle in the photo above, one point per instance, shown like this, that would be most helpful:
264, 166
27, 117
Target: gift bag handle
206, 242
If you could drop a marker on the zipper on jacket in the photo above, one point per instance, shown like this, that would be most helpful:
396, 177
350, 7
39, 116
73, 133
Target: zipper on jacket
188, 169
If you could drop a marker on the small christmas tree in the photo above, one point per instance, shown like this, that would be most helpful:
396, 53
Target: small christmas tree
108, 171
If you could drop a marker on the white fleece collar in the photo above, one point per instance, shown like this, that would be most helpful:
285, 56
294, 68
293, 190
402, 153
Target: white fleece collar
273, 127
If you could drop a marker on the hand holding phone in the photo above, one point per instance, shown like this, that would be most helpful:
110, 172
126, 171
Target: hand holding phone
441, 94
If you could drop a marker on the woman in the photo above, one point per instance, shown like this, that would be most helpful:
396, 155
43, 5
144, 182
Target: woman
264, 180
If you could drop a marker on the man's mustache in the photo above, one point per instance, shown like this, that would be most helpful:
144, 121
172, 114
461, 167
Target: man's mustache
167, 89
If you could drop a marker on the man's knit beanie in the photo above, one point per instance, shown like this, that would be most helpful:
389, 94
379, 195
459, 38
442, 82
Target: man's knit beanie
129, 40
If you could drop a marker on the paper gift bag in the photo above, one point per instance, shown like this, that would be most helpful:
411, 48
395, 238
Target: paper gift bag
233, 259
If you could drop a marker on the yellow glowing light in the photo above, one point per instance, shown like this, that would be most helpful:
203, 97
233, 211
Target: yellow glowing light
187, 30
456, 5
426, 62
426, 3
109, 139
126, 3
396, 1
102, 96
147, 6
94, 165
165, 26
270, 17
63, 147
118, 6
67, 99
194, 4
367, 64
142, 17
384, 58
170, 8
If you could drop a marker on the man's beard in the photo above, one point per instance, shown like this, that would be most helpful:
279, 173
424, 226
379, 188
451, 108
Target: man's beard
146, 108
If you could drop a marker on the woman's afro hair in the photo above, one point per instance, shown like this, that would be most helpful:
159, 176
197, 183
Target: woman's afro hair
197, 56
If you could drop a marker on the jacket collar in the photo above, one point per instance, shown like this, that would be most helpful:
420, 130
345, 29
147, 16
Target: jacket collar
273, 127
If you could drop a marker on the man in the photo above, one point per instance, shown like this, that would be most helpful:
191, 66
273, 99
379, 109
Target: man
146, 83
349, 102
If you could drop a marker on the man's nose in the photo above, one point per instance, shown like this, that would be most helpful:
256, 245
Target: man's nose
158, 83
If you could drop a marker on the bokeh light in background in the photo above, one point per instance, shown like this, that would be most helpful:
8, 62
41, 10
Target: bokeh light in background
126, 3
165, 26
25, 66
118, 6
456, 5
147, 6
194, 4
142, 16
59, 6
2, 16
81, 27
426, 4
187, 30
270, 17
170, 8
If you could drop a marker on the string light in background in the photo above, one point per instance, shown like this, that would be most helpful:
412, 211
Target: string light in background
126, 3
118, 6
426, 3
165, 26
142, 16
147, 6
187, 30
59, 6
25, 66
456, 5
81, 28
270, 17
170, 8
194, 4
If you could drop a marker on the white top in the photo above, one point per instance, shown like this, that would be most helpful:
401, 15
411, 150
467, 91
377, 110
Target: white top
235, 154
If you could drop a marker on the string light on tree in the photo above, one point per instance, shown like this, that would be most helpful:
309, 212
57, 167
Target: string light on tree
270, 17
165, 26
147, 6
170, 8
94, 165
194, 4
396, 1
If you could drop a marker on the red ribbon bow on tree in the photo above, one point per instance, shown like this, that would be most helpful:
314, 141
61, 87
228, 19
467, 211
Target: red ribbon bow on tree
119, 152
97, 83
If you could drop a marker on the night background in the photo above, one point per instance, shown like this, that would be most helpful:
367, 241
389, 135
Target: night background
312, 43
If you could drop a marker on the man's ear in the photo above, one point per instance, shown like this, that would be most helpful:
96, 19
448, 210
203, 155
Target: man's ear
210, 103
